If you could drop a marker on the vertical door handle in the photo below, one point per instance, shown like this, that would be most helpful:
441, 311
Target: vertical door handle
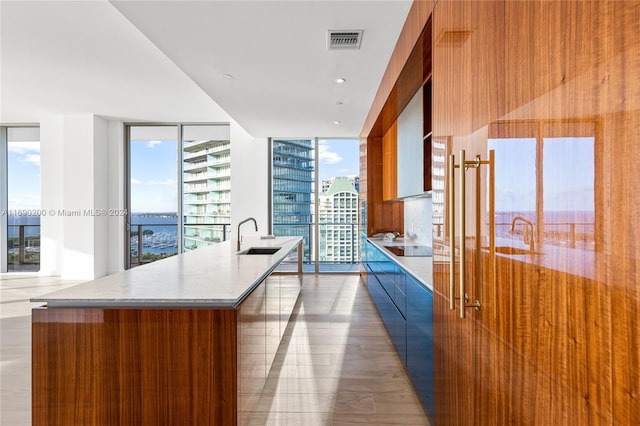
452, 232
463, 232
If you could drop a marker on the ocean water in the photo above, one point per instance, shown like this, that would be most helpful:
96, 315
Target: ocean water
164, 236
163, 240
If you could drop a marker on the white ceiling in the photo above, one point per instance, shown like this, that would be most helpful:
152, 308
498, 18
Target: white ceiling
164, 61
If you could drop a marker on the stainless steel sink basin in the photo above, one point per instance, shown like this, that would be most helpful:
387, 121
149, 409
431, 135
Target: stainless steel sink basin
514, 250
261, 250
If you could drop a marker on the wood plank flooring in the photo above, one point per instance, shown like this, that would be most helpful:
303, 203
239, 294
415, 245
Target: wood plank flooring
336, 365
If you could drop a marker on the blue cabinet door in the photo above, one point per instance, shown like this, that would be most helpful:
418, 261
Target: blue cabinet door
399, 292
420, 339
391, 316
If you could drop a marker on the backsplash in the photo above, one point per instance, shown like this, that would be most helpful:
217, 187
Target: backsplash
417, 220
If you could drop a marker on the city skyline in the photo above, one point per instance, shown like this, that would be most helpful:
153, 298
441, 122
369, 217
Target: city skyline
154, 189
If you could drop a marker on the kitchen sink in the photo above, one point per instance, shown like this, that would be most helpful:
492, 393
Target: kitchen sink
261, 250
514, 250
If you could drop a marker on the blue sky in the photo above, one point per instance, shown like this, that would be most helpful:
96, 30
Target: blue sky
154, 168
23, 160
565, 188
338, 157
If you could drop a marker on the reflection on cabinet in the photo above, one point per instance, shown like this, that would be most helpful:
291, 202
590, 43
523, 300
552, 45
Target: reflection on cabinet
438, 173
405, 307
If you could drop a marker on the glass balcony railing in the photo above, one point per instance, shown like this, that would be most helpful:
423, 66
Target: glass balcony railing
151, 242
154, 241
197, 235
338, 244
23, 248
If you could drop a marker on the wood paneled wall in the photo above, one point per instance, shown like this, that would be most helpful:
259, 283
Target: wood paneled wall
557, 340
403, 76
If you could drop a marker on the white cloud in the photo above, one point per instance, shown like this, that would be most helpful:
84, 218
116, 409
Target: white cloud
135, 181
33, 159
152, 144
23, 147
327, 156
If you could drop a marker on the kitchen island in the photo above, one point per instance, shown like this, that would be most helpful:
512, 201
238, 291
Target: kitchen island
186, 340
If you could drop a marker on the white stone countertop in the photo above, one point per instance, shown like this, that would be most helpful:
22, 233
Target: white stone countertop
214, 276
420, 267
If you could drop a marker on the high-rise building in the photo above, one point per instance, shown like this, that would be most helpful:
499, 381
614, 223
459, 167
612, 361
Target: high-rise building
355, 181
293, 174
338, 218
207, 192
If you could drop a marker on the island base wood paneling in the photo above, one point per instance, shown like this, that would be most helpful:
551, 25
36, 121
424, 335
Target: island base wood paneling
94, 366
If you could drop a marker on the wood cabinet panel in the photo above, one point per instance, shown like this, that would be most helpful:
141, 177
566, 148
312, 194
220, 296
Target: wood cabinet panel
558, 336
390, 163
374, 170
133, 366
407, 70
416, 19
386, 217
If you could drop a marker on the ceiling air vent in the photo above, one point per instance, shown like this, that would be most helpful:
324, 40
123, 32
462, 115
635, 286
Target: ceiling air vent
344, 39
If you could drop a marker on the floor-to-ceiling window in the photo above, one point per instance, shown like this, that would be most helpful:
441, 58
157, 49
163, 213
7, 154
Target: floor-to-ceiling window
153, 193
21, 210
292, 185
206, 175
338, 217
178, 189
315, 184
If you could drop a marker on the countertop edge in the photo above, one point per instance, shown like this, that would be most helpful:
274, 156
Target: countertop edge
50, 300
379, 244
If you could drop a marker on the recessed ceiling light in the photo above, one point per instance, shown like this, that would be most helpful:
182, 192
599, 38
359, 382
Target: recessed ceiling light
228, 76
337, 122
340, 80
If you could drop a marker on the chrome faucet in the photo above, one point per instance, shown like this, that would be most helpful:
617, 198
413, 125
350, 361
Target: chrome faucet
528, 232
244, 221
